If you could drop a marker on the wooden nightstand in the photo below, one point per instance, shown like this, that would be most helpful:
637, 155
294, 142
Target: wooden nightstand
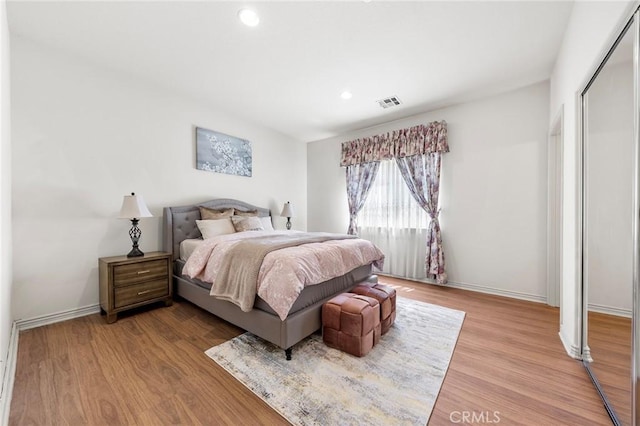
129, 282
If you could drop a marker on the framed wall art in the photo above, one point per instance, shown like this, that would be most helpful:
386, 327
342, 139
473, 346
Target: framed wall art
221, 153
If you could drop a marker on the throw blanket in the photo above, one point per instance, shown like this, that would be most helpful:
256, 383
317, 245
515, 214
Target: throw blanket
237, 280
284, 272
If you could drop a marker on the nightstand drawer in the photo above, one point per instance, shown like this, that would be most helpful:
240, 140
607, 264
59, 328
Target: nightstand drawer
140, 292
124, 275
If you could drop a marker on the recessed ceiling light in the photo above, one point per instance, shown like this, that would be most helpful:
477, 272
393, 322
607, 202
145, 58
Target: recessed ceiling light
346, 95
249, 17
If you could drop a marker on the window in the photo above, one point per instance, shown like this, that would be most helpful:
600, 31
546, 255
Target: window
390, 204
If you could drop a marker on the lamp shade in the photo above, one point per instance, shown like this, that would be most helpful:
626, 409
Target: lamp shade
287, 210
133, 207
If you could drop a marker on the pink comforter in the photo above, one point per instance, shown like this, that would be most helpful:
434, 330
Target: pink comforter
284, 273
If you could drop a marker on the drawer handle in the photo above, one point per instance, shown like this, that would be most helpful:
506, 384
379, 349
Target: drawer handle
144, 272
140, 293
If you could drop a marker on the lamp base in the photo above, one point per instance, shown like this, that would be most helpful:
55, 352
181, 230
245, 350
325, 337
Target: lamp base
135, 252
135, 234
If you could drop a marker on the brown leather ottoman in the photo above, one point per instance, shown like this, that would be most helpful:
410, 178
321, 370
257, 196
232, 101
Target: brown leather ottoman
386, 296
351, 323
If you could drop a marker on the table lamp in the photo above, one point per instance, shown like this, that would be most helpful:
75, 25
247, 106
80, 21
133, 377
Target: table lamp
133, 208
287, 211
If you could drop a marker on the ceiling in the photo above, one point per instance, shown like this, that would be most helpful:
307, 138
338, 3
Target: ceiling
289, 71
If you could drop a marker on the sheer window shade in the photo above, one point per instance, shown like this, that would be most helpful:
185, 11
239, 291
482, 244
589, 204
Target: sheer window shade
393, 220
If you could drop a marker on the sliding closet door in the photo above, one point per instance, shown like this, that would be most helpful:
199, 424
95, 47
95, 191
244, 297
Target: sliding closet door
609, 225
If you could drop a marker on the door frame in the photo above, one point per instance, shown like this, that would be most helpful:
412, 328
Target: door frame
555, 200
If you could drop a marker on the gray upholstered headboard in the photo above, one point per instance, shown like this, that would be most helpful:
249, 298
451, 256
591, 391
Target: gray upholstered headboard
179, 223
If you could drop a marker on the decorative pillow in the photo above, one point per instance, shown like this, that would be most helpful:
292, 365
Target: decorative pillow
207, 213
266, 223
246, 213
247, 223
213, 228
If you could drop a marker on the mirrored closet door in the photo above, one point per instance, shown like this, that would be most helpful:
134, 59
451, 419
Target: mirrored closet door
609, 234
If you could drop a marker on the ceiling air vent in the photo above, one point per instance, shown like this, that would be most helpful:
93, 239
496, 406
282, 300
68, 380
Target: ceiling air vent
389, 102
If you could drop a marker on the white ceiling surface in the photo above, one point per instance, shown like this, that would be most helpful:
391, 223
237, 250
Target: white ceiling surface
288, 72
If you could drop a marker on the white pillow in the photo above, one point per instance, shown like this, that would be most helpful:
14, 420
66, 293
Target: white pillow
213, 228
266, 223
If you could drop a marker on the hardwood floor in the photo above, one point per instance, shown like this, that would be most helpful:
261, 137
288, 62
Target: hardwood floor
508, 367
610, 344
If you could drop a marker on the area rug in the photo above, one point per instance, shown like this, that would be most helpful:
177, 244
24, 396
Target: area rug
396, 383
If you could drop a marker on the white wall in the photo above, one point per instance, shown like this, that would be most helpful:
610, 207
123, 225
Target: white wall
493, 195
84, 136
591, 29
5, 194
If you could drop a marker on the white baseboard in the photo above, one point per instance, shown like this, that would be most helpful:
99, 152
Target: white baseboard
12, 355
497, 291
586, 354
478, 288
572, 350
610, 310
57, 317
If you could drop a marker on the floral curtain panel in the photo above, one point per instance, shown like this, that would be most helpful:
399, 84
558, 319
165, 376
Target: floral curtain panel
417, 151
421, 173
359, 180
422, 139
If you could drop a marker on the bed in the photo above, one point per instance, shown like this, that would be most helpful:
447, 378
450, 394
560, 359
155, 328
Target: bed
304, 317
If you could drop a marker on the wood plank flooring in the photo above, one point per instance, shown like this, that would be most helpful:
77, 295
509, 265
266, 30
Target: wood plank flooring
150, 368
610, 345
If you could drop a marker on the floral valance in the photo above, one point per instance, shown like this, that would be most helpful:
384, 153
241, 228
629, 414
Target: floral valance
421, 139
